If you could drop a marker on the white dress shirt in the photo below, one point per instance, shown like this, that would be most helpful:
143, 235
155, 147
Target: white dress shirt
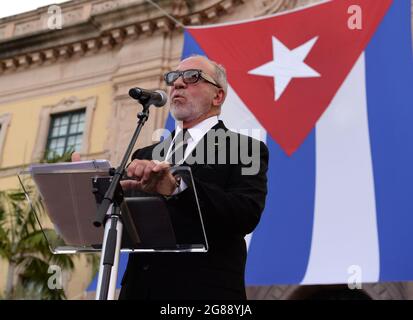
196, 133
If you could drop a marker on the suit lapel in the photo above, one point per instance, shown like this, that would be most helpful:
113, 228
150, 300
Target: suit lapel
160, 150
203, 142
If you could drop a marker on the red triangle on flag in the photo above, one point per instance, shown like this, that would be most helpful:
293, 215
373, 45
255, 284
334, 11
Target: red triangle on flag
289, 103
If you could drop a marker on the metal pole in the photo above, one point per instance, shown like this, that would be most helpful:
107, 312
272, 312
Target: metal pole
109, 260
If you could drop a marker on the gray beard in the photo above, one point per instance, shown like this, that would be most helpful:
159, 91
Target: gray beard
185, 115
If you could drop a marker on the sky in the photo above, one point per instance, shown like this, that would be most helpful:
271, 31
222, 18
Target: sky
9, 8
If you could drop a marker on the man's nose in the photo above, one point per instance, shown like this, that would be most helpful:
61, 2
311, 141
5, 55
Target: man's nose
179, 83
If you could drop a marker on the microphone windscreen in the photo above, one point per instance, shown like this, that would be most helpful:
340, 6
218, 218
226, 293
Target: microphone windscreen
135, 93
162, 100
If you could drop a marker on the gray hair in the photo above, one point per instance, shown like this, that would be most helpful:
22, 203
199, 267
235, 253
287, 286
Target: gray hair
221, 75
220, 72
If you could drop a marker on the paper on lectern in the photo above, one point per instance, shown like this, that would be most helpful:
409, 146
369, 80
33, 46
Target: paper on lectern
66, 189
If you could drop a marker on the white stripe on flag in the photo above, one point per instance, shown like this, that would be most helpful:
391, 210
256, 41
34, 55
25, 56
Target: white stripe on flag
237, 117
345, 226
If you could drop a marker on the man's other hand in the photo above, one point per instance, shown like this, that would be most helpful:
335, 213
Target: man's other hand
150, 176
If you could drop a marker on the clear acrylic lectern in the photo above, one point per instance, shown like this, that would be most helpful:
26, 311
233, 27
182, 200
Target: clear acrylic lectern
69, 194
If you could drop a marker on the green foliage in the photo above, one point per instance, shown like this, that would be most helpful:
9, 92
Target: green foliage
26, 250
53, 157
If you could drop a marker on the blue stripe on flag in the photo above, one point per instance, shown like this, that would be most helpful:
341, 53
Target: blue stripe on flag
123, 261
191, 47
389, 74
280, 246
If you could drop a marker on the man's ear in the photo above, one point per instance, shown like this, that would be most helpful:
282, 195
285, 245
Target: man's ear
219, 97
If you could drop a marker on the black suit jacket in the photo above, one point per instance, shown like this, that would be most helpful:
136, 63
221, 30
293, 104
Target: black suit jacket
231, 204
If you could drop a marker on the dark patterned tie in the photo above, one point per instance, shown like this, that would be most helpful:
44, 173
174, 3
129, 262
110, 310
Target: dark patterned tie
180, 143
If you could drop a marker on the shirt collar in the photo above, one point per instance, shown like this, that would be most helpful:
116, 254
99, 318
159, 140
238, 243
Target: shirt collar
199, 130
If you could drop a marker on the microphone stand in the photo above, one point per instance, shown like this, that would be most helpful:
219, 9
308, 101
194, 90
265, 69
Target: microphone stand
109, 213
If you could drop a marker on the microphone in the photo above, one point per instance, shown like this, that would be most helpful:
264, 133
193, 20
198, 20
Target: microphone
158, 97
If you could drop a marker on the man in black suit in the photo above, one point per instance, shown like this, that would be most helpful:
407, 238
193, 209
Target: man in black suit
231, 193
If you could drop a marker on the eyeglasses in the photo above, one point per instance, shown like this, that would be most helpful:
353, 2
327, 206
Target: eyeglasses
188, 76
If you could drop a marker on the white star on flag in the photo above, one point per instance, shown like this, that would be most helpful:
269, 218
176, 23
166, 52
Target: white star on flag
286, 65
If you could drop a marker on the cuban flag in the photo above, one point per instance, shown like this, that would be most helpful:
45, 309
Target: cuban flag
330, 87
